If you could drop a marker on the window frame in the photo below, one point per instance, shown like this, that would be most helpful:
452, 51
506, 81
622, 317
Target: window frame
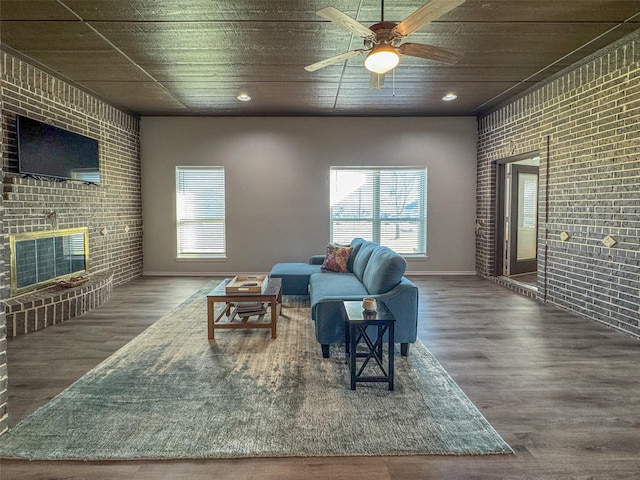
377, 219
220, 254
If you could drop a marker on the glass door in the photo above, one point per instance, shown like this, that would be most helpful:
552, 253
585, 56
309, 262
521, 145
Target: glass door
523, 224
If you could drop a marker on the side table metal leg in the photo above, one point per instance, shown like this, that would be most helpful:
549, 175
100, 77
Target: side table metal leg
391, 353
352, 354
347, 342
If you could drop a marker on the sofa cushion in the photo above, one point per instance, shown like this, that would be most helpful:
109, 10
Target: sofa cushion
362, 258
334, 285
336, 258
356, 243
384, 270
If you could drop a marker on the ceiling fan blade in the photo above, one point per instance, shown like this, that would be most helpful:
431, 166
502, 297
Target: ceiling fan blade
425, 14
330, 61
336, 16
376, 80
429, 52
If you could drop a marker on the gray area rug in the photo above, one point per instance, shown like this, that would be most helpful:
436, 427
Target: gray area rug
171, 394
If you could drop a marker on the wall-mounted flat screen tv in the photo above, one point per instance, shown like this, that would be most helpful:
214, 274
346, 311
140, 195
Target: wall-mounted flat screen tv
48, 151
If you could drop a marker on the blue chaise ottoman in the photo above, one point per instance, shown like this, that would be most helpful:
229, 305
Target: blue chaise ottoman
295, 277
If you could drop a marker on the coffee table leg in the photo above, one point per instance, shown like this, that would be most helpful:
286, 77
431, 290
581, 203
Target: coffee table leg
210, 319
274, 316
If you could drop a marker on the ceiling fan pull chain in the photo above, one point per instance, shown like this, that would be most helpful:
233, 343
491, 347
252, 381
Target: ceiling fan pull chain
393, 82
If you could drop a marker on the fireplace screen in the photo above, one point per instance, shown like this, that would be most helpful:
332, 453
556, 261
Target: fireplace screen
40, 257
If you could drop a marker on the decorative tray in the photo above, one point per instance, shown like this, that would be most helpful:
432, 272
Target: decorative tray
247, 284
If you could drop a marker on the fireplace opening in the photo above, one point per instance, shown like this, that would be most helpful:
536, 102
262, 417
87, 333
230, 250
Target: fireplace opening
38, 258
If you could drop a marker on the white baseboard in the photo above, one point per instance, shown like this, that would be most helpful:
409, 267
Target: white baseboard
425, 273
233, 274
199, 274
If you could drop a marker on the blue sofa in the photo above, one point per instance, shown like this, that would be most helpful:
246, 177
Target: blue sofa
373, 271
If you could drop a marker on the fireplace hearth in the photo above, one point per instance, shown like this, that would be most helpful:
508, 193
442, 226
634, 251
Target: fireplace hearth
55, 304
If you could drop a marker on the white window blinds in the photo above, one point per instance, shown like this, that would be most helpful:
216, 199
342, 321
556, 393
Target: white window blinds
200, 202
385, 205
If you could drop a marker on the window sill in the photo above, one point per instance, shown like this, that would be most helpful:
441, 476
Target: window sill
202, 258
416, 258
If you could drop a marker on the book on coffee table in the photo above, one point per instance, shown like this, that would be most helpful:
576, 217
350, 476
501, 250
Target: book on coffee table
247, 309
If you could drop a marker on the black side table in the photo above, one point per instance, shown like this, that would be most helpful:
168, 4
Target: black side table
358, 320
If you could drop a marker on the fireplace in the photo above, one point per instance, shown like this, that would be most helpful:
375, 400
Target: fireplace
38, 258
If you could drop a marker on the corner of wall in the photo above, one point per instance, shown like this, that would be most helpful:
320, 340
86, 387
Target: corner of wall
4, 291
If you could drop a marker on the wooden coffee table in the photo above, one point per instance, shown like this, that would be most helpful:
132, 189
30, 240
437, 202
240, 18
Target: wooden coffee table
271, 295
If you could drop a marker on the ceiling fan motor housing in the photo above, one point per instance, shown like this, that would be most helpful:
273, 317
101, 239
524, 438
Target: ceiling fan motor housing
384, 34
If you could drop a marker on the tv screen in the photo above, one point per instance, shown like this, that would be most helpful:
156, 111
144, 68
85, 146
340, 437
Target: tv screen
48, 151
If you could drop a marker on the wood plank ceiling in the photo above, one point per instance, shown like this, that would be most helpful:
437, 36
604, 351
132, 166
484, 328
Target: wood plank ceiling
193, 57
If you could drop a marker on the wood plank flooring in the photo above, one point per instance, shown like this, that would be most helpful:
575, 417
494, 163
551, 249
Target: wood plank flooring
564, 392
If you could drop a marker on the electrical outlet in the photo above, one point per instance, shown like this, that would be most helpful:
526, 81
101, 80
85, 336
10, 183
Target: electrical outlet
609, 241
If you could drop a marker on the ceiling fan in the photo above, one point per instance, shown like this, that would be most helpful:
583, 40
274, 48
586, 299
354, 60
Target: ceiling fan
383, 41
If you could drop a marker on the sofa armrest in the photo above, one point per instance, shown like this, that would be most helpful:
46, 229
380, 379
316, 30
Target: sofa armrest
317, 260
402, 301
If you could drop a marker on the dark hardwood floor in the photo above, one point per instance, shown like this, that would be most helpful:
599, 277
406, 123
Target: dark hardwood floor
564, 392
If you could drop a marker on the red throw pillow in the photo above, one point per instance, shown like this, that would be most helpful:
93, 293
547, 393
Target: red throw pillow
337, 258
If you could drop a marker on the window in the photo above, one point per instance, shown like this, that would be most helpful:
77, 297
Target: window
385, 205
200, 212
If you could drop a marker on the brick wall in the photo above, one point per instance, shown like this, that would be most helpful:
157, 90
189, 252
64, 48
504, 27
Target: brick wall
585, 124
112, 210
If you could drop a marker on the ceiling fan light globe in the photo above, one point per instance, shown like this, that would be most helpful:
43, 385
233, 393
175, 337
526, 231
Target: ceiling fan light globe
381, 60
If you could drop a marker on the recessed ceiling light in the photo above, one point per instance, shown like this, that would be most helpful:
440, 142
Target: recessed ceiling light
243, 97
449, 96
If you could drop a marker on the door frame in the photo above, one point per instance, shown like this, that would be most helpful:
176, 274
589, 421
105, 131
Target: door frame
501, 170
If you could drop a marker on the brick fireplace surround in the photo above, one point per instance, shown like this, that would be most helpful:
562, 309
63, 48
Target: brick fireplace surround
45, 307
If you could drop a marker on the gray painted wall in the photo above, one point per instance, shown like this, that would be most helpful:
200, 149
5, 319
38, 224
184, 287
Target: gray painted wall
277, 177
